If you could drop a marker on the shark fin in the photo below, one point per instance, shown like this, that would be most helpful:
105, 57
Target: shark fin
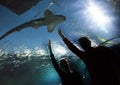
51, 27
48, 13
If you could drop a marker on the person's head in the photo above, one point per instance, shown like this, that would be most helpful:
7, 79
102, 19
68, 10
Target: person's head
85, 43
65, 65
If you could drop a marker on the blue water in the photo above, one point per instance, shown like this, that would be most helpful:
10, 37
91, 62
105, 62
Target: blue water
24, 55
35, 70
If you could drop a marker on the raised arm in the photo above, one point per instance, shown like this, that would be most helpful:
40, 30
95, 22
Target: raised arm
70, 45
55, 64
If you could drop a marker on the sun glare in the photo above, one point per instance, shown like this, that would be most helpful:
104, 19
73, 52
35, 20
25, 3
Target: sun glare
97, 14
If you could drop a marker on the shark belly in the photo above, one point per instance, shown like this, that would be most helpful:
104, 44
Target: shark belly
38, 23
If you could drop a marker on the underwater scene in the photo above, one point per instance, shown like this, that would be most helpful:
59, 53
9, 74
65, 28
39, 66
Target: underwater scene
28, 26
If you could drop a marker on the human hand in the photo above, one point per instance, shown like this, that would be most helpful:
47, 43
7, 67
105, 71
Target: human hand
59, 32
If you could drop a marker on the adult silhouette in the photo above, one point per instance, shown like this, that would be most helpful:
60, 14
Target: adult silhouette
98, 60
68, 77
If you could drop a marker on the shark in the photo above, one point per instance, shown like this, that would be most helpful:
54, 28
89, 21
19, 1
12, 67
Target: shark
50, 20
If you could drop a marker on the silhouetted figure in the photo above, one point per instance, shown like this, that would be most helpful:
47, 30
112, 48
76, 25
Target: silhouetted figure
98, 61
68, 77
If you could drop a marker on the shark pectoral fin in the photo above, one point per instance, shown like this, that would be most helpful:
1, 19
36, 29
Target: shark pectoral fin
48, 13
51, 27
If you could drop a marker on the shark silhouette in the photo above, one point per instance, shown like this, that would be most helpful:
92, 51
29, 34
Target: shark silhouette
50, 20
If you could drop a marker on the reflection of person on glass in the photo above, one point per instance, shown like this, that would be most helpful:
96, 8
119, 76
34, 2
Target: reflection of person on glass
98, 60
68, 77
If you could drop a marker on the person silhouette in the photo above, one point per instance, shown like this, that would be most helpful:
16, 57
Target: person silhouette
68, 77
98, 60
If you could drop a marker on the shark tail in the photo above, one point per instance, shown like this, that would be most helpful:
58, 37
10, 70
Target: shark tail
18, 28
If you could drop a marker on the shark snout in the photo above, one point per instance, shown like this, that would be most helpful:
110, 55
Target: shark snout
64, 18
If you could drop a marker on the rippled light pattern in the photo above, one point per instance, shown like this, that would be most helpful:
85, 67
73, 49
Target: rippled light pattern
59, 50
40, 51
